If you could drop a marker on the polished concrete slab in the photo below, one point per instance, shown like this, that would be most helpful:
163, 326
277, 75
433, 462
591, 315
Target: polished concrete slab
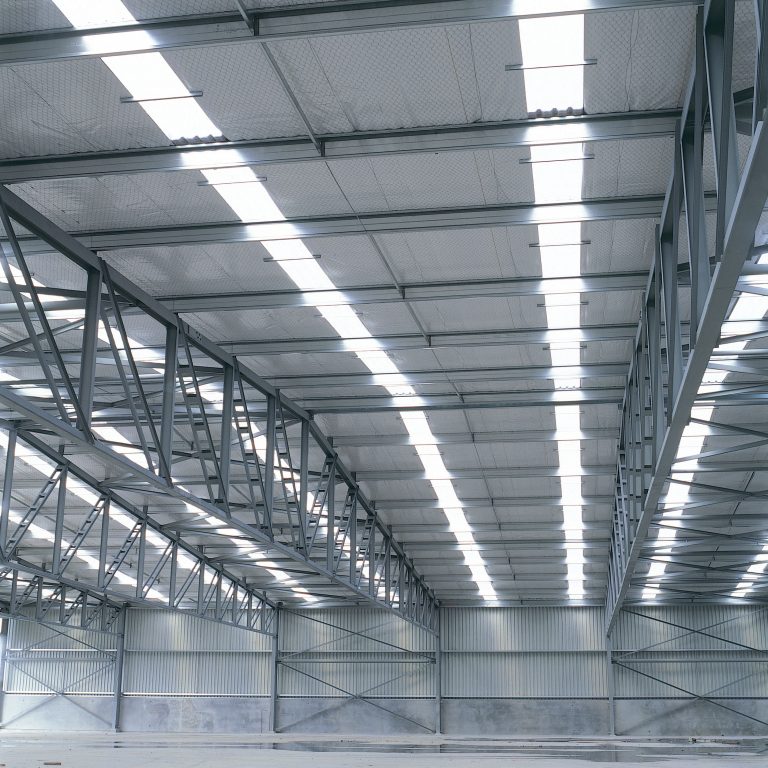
27, 750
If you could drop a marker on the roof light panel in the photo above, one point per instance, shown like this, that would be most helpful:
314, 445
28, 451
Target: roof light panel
147, 75
553, 55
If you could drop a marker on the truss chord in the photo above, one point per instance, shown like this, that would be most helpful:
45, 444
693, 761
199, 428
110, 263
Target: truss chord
665, 375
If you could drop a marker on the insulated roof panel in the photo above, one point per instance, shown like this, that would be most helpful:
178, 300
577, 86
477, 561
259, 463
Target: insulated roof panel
26, 16
200, 270
393, 79
618, 246
628, 168
241, 93
643, 58
115, 202
469, 254
69, 106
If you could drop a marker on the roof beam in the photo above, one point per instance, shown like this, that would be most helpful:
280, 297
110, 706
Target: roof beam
448, 375
510, 133
424, 291
478, 473
220, 505
287, 23
583, 334
466, 401
609, 209
469, 438
505, 502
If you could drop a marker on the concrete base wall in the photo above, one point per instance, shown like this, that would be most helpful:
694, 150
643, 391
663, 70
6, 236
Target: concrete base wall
387, 716
162, 714
681, 719
501, 717
468, 717
74, 713
198, 715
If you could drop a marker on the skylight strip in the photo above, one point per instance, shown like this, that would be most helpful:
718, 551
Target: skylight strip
149, 73
547, 43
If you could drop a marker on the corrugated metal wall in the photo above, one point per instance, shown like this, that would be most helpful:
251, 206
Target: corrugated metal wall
41, 659
721, 663
523, 653
486, 652
328, 652
177, 655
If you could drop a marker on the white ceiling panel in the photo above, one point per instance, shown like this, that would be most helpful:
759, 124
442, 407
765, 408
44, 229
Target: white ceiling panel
628, 168
618, 246
69, 106
116, 202
487, 253
393, 79
30, 15
350, 260
241, 93
200, 270
456, 315
494, 45
643, 58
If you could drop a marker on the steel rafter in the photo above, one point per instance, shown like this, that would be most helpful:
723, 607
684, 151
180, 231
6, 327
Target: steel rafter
511, 133
371, 223
264, 25
297, 511
666, 374
371, 294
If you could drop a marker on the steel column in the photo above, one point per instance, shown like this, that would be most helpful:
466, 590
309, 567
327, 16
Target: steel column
274, 692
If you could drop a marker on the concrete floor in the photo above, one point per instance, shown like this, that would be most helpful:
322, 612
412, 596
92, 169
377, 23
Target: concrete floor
25, 750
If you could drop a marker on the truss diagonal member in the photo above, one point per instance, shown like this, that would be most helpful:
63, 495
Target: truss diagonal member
662, 389
210, 399
49, 570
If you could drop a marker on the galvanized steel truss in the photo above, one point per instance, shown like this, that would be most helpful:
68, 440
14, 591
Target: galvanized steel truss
50, 525
125, 361
669, 364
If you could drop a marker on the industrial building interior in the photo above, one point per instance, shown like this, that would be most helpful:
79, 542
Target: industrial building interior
382, 380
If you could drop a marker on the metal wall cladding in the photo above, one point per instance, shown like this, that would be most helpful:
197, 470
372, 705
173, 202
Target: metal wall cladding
70, 672
523, 629
524, 675
147, 630
196, 673
342, 629
683, 675
42, 659
388, 675
173, 654
670, 628
23, 634
659, 654
488, 652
